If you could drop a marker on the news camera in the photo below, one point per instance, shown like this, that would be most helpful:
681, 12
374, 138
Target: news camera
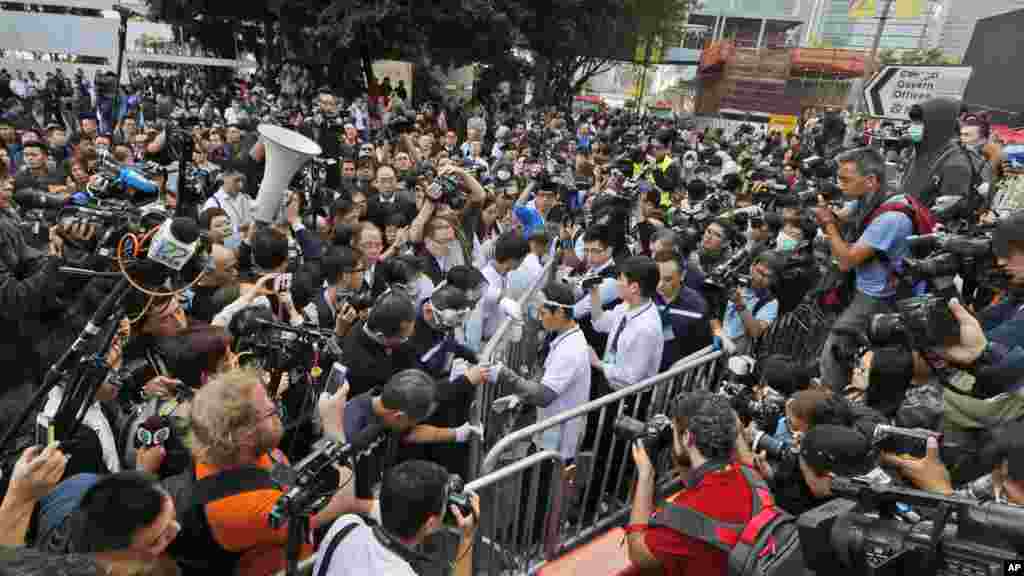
313, 481
732, 273
276, 346
655, 434
763, 409
447, 189
865, 530
919, 322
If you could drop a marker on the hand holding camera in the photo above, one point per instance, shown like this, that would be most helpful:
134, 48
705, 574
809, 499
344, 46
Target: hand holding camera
972, 338
928, 473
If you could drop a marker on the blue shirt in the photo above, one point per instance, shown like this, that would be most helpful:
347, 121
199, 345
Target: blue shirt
733, 324
887, 234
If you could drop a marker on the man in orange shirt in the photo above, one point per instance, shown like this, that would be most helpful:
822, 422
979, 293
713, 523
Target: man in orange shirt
225, 509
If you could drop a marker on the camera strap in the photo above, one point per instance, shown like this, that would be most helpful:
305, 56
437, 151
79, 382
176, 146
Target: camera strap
414, 558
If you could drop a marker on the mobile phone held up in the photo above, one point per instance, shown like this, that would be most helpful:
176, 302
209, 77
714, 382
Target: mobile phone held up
336, 378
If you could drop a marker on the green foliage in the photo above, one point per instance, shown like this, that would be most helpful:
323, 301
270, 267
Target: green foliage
571, 40
926, 57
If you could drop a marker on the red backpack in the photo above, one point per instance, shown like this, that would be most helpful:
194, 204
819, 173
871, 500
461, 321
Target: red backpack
920, 216
766, 545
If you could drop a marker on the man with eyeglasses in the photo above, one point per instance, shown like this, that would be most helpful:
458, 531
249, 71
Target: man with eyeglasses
714, 248
388, 201
227, 494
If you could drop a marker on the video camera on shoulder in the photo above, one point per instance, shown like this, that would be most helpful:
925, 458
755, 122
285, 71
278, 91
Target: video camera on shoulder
866, 529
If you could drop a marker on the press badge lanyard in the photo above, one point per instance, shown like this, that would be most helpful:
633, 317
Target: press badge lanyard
614, 348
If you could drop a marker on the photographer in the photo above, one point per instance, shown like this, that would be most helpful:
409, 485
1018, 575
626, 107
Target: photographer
989, 351
1004, 457
751, 310
339, 303
414, 501
28, 281
704, 444
225, 527
714, 248
876, 256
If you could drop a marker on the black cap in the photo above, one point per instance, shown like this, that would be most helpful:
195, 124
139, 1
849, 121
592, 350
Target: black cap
1010, 230
837, 449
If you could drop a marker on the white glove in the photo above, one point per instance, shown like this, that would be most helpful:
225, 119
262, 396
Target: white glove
465, 432
494, 372
512, 309
459, 367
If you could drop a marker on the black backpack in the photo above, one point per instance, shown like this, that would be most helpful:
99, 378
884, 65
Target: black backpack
766, 545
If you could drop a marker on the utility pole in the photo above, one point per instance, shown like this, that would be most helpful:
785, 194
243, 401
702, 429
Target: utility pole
874, 46
881, 28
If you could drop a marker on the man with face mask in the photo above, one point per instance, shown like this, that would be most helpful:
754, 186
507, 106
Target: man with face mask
938, 166
325, 129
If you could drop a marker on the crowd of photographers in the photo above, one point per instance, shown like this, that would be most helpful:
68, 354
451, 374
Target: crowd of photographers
340, 331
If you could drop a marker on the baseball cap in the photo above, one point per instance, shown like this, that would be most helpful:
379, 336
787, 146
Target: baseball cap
837, 449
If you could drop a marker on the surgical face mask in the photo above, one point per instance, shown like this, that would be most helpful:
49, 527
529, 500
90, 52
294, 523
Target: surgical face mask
916, 133
690, 164
784, 243
233, 241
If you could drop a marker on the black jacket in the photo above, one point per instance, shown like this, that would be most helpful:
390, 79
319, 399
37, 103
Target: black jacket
369, 364
29, 291
952, 177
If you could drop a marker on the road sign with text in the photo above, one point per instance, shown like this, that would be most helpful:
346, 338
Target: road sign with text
892, 92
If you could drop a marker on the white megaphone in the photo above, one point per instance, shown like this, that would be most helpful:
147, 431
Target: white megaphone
285, 152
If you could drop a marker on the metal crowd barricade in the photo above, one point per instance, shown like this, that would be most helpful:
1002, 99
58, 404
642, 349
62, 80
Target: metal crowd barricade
597, 483
514, 344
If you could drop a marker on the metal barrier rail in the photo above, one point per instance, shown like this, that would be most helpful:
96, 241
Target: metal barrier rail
598, 498
515, 355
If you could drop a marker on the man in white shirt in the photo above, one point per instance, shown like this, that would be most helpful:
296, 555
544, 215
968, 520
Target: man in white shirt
231, 200
522, 278
413, 505
566, 380
509, 251
633, 351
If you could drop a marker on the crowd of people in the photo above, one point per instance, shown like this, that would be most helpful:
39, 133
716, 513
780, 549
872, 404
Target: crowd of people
362, 306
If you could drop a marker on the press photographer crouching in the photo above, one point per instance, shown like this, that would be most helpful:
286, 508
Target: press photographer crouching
416, 499
986, 390
883, 529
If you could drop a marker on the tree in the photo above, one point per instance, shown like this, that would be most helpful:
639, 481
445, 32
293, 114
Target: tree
926, 57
